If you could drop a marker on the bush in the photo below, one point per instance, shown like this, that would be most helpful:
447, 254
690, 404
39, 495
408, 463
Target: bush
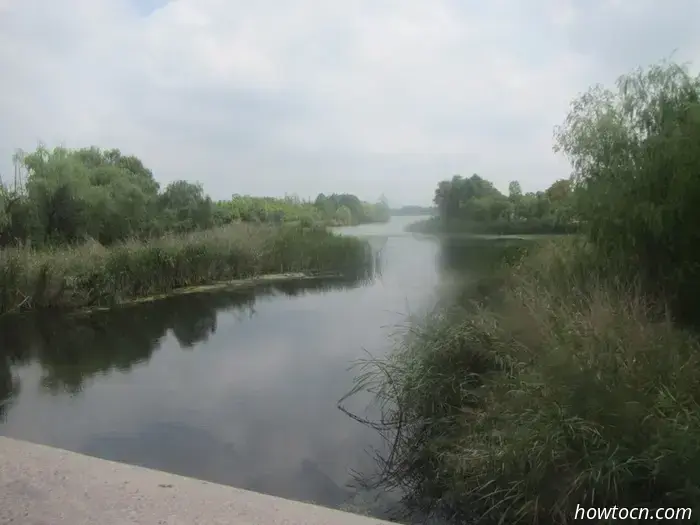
92, 275
571, 390
573, 386
636, 158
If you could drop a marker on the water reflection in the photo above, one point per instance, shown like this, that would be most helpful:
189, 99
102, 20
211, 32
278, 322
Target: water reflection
479, 255
9, 386
233, 387
477, 266
237, 388
73, 349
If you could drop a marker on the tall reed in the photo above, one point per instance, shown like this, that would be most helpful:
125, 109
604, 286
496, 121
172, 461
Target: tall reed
571, 389
92, 275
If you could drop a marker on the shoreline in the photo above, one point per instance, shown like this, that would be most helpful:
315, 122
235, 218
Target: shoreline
92, 276
217, 286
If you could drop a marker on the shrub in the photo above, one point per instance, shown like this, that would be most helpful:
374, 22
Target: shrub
91, 275
572, 390
636, 156
573, 386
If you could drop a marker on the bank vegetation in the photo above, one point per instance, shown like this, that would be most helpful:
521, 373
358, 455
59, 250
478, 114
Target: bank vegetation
575, 379
93, 227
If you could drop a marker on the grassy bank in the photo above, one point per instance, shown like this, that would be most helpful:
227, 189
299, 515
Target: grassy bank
94, 275
574, 378
561, 390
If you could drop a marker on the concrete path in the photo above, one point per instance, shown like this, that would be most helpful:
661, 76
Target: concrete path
41, 485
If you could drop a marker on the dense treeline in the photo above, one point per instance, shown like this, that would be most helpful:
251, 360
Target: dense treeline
333, 210
67, 196
91, 227
413, 210
574, 378
346, 209
474, 204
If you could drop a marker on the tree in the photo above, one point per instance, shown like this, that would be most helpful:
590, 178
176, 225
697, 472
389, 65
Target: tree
71, 195
514, 190
343, 215
185, 207
559, 191
635, 172
4, 203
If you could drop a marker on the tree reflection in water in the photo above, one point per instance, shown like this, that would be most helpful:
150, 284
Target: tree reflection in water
72, 349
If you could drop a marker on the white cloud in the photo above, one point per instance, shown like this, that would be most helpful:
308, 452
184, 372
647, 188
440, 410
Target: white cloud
368, 96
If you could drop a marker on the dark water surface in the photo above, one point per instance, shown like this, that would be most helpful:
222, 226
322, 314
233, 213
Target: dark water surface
236, 388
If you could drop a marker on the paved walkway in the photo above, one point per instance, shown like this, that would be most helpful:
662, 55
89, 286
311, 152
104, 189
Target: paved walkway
41, 485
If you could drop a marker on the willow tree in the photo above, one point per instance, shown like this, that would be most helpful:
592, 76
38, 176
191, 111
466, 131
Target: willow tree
635, 153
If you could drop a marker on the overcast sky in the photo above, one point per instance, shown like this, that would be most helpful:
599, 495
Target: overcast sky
306, 96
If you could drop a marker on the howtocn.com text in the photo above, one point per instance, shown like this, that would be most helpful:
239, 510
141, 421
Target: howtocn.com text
631, 513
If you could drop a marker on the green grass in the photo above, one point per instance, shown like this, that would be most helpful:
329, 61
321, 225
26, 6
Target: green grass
92, 275
567, 389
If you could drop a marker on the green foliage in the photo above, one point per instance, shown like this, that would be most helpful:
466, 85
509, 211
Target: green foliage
336, 210
515, 191
636, 157
266, 209
474, 205
70, 196
568, 382
93, 227
343, 215
354, 211
563, 391
4, 203
378, 212
73, 195
183, 207
94, 275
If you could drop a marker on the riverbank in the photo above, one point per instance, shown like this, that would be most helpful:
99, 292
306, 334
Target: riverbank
199, 368
91, 275
436, 226
572, 379
558, 388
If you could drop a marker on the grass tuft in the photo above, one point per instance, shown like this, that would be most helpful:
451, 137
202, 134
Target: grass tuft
572, 389
93, 275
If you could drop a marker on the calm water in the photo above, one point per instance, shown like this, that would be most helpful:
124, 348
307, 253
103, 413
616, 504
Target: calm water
234, 388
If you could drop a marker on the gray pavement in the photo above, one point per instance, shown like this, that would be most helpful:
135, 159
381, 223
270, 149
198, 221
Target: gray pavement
42, 485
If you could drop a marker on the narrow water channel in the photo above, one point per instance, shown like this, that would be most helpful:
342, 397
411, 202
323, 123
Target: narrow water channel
237, 388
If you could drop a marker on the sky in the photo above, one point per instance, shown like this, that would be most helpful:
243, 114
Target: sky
279, 97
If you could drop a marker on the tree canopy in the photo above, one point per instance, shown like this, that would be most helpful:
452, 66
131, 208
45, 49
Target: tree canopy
635, 158
69, 196
474, 203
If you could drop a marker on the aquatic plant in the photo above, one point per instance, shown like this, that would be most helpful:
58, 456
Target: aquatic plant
93, 275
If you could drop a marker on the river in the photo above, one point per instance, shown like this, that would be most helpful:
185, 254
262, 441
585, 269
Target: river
236, 388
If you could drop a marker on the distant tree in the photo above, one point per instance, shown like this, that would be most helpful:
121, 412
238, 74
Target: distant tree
64, 196
514, 190
559, 191
343, 215
4, 204
185, 207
